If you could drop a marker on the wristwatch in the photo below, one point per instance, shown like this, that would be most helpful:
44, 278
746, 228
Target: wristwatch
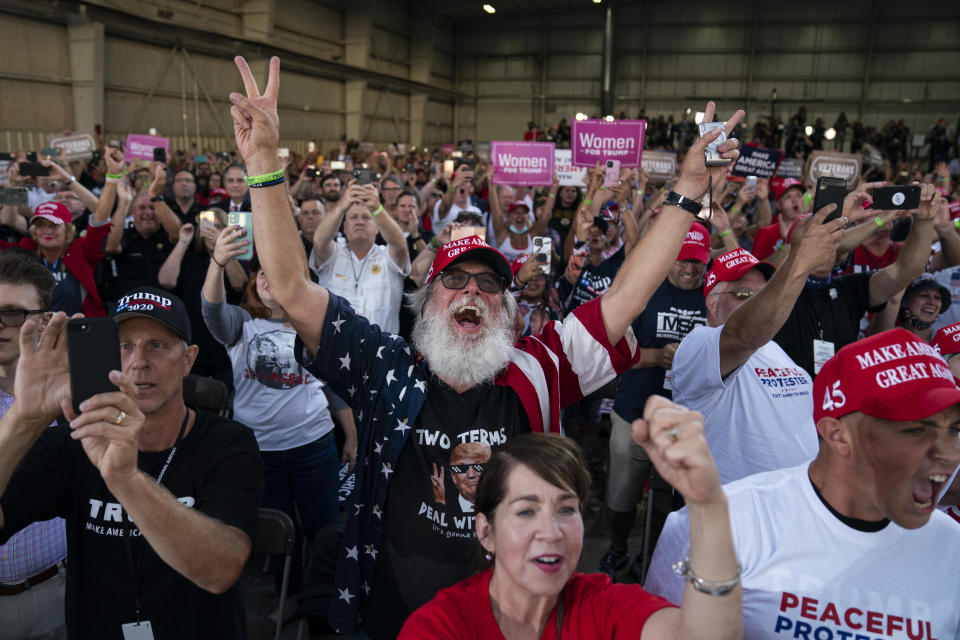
676, 200
157, 198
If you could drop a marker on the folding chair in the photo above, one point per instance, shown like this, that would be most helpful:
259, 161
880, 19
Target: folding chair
209, 394
276, 534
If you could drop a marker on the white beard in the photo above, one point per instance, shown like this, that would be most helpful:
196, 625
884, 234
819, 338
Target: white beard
465, 361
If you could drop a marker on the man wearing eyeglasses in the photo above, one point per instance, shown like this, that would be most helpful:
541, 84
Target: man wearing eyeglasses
32, 573
756, 401
462, 378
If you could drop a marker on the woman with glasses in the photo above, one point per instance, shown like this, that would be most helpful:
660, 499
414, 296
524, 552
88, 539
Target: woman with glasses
529, 524
183, 272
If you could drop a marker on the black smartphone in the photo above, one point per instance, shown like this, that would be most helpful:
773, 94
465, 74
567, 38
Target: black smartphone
33, 169
96, 157
830, 191
312, 172
16, 196
896, 197
159, 154
31, 156
93, 350
363, 176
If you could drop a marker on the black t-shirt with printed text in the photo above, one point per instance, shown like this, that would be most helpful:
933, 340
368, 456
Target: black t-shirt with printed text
428, 533
670, 315
216, 469
835, 311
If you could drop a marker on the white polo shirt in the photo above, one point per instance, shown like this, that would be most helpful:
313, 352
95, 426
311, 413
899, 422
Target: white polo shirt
373, 285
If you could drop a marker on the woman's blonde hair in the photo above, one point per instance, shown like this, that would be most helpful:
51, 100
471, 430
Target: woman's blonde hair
70, 234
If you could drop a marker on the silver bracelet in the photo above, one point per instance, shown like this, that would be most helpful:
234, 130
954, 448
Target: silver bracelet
703, 585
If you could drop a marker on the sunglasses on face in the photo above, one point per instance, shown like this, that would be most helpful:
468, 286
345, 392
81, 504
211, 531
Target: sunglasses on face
741, 294
16, 317
487, 281
463, 468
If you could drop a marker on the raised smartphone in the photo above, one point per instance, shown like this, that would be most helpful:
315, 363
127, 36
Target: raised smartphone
93, 350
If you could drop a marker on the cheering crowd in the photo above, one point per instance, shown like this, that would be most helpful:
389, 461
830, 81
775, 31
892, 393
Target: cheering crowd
780, 384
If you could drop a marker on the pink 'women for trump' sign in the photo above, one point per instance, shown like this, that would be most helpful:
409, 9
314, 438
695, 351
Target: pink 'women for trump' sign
522, 163
601, 140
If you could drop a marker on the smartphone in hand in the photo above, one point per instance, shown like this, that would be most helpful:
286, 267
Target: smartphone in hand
93, 350
611, 175
903, 197
245, 220
830, 191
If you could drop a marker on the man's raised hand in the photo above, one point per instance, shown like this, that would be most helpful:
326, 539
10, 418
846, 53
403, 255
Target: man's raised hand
694, 173
255, 121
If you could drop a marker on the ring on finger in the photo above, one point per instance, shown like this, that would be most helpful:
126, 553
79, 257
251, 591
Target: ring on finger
120, 417
673, 433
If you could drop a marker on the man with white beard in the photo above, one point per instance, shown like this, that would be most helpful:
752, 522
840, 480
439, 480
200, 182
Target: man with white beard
463, 380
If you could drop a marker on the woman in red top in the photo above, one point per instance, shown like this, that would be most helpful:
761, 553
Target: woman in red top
528, 521
71, 258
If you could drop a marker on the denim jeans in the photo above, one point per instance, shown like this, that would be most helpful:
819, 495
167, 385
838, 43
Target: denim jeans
305, 476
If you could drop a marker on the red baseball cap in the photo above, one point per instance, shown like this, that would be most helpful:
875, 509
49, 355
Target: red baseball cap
892, 375
469, 248
780, 186
947, 340
696, 246
516, 204
732, 265
55, 212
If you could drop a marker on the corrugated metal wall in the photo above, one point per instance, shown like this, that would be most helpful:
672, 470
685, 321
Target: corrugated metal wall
884, 59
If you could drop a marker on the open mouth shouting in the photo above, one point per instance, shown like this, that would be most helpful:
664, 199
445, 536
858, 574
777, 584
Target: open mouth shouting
469, 317
926, 491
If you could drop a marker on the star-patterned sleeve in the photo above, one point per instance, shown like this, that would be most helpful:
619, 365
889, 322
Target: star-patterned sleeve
358, 360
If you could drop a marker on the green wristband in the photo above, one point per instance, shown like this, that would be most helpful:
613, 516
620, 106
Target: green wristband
115, 176
878, 221
588, 202
725, 233
266, 177
956, 223
376, 211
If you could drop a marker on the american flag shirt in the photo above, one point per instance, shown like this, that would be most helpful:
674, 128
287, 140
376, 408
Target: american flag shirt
385, 382
34, 548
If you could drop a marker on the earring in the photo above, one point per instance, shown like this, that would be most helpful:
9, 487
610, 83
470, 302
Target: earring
488, 556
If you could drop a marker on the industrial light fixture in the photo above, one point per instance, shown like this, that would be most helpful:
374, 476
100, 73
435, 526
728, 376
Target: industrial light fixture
698, 118
808, 130
581, 116
830, 133
608, 118
152, 131
596, 1
489, 8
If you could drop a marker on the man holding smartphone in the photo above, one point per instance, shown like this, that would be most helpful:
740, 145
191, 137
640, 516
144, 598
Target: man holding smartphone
160, 500
32, 572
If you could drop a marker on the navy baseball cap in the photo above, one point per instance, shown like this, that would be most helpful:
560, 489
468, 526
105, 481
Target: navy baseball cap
156, 304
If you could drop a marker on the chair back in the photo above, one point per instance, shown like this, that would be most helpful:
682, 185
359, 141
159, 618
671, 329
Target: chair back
209, 394
275, 533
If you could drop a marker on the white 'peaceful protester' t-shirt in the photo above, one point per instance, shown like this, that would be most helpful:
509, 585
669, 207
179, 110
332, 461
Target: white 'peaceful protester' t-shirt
806, 574
759, 418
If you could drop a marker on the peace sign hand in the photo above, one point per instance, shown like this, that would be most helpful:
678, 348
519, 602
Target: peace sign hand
255, 121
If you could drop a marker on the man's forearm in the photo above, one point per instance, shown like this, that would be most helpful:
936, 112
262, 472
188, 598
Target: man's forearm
168, 219
89, 200
908, 265
757, 320
949, 246
325, 232
207, 552
644, 270
393, 234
